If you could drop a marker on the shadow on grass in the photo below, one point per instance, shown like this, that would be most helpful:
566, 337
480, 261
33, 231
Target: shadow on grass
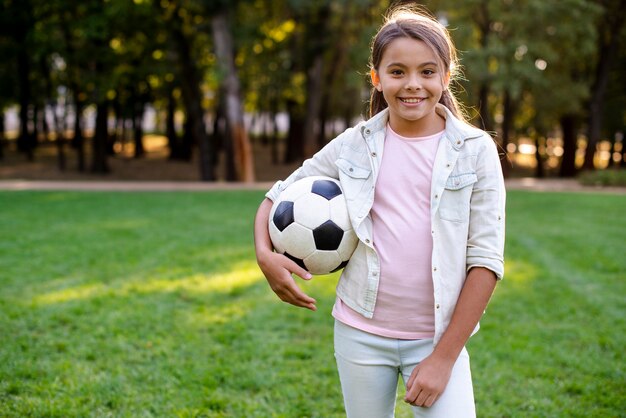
217, 344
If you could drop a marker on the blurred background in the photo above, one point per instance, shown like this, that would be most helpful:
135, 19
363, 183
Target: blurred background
245, 90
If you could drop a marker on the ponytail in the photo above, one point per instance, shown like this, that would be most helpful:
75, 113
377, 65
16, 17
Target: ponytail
377, 102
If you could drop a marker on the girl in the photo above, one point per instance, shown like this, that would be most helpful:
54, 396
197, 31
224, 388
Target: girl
426, 198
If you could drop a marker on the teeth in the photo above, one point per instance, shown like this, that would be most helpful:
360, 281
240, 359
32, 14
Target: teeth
411, 100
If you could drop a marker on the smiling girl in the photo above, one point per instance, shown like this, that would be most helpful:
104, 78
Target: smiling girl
426, 197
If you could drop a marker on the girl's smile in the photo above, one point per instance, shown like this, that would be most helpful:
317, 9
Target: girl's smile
412, 82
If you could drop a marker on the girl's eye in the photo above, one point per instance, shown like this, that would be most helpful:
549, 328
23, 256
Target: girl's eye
396, 72
428, 72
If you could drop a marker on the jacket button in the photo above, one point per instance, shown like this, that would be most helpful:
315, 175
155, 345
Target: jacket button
437, 306
434, 268
373, 154
367, 241
351, 169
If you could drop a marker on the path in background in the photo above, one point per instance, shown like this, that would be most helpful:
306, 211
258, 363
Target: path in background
544, 185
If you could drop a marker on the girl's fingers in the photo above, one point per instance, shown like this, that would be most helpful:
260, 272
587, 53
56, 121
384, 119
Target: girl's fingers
430, 401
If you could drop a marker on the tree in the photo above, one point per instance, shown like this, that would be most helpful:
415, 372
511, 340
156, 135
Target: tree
238, 136
611, 34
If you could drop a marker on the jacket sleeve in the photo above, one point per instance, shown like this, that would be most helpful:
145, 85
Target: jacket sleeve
485, 245
320, 164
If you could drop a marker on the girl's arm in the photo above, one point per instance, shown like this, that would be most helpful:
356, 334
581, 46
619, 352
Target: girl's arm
276, 267
429, 378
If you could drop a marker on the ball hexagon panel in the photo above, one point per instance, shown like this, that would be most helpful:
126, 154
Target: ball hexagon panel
276, 237
348, 245
342, 265
339, 213
298, 240
327, 236
311, 210
322, 262
283, 215
297, 189
326, 188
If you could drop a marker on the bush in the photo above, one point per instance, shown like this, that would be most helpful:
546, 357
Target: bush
609, 177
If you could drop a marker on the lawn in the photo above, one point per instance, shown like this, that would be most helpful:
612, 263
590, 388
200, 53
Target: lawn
151, 305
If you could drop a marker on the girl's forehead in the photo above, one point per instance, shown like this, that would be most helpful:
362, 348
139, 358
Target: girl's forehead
408, 51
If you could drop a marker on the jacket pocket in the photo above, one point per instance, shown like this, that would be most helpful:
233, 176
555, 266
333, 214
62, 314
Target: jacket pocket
460, 181
352, 170
455, 200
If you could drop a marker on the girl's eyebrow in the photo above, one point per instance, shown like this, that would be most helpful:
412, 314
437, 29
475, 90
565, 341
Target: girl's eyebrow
400, 64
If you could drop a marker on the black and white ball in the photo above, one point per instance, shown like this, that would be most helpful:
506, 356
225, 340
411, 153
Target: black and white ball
309, 223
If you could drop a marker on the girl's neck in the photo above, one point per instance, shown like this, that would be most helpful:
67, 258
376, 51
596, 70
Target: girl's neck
426, 126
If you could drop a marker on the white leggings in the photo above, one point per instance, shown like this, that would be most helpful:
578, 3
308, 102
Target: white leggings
369, 366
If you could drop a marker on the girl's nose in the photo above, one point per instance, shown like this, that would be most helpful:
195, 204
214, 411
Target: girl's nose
413, 82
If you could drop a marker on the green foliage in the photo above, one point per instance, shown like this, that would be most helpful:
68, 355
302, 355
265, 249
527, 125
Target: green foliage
608, 177
150, 304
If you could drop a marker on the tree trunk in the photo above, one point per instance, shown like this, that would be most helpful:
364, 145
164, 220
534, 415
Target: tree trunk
174, 142
609, 38
483, 108
138, 112
294, 149
568, 160
539, 169
225, 53
507, 124
78, 142
317, 43
2, 127
99, 163
192, 99
25, 141
483, 19
275, 133
60, 137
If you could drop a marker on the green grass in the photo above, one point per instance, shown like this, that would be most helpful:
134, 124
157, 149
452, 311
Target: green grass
151, 305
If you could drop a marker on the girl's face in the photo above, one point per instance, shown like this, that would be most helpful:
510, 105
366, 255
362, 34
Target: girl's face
412, 80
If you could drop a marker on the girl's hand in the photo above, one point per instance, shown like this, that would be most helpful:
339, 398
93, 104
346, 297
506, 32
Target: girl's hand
277, 270
428, 381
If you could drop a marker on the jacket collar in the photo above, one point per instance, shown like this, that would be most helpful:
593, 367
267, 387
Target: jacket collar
457, 131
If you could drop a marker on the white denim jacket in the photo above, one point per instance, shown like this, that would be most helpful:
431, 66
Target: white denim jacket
467, 208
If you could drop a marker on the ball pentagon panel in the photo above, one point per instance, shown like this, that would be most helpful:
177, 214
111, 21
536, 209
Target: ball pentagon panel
326, 188
327, 236
282, 216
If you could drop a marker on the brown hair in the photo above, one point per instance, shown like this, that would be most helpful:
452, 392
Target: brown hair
410, 23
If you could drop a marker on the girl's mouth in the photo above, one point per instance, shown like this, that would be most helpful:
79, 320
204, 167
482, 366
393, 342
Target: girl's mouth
410, 100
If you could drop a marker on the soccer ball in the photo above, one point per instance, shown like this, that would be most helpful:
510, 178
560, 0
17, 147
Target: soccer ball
309, 223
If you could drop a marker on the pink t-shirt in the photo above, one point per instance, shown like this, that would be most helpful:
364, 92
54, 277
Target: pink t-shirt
402, 238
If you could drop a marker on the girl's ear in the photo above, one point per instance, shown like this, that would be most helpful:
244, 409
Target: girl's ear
375, 80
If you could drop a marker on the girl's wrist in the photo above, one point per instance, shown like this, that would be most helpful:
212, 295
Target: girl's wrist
263, 254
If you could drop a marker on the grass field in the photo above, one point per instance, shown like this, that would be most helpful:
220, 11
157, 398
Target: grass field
151, 305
